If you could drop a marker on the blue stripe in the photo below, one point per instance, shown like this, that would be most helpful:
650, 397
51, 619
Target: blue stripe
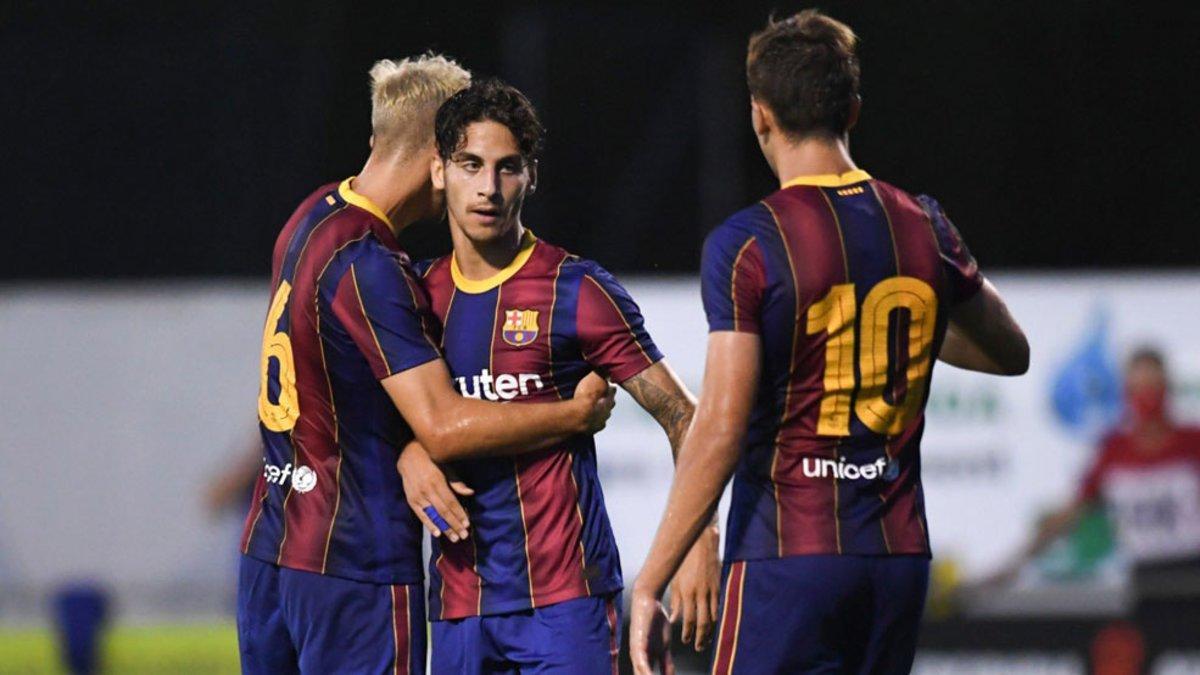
870, 258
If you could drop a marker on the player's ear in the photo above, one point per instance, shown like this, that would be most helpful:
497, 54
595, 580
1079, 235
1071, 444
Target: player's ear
533, 175
437, 172
371, 142
760, 118
855, 109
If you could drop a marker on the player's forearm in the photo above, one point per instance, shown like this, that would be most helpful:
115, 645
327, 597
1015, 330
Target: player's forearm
470, 428
704, 467
960, 352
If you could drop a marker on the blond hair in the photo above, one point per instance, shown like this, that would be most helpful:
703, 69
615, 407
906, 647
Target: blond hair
405, 96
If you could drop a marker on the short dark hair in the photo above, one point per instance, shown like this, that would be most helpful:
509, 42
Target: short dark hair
1147, 354
488, 99
805, 69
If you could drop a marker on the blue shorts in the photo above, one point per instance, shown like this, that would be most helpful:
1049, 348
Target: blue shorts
580, 636
821, 614
291, 621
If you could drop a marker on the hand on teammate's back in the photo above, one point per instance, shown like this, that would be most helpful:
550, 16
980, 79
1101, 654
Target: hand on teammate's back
427, 486
600, 397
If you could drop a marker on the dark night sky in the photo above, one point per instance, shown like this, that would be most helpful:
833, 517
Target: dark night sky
162, 141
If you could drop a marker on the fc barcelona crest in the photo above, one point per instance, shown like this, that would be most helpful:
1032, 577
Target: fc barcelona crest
520, 326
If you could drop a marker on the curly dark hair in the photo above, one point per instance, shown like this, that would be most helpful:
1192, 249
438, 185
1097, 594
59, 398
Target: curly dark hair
805, 68
488, 99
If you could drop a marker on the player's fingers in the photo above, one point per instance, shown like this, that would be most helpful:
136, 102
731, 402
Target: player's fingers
458, 515
688, 602
641, 659
461, 488
712, 608
675, 602
668, 663
454, 526
433, 529
703, 621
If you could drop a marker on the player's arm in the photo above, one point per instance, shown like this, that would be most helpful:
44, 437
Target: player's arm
707, 460
453, 427
734, 283
983, 335
695, 588
378, 303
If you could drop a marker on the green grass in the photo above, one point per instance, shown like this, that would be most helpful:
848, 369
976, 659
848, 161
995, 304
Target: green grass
184, 648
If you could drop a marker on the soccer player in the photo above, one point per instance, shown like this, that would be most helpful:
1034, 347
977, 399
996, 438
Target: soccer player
330, 580
536, 586
827, 303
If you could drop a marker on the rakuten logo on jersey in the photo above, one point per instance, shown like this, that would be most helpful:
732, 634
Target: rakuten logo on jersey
304, 479
504, 387
815, 467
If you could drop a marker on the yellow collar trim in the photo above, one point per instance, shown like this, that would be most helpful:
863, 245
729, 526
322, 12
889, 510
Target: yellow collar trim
830, 179
352, 197
484, 285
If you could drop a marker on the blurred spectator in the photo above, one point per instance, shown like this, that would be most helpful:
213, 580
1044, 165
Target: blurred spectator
1146, 476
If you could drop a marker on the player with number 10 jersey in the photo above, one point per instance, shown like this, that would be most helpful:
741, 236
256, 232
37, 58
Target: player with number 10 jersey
832, 297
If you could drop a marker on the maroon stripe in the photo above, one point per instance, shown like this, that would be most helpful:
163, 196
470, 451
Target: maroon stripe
461, 585
731, 613
307, 516
402, 625
807, 517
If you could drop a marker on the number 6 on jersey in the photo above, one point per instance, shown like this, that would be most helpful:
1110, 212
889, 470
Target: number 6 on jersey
280, 416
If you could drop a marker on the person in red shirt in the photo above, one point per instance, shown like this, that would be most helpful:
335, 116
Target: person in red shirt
1146, 475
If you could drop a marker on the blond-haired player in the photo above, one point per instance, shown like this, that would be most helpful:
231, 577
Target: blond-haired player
331, 577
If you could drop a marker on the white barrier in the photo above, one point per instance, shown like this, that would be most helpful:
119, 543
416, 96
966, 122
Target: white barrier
119, 403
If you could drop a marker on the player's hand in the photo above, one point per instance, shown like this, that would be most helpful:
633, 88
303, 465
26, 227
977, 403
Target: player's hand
649, 634
431, 493
695, 589
597, 398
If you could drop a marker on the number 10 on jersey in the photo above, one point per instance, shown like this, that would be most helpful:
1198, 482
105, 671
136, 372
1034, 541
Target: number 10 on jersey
835, 315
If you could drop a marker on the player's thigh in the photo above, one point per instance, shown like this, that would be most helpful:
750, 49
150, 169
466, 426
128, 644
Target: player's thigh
344, 626
576, 637
264, 644
462, 646
787, 615
899, 585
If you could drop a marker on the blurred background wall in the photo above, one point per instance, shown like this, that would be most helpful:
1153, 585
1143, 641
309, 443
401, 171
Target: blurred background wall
151, 151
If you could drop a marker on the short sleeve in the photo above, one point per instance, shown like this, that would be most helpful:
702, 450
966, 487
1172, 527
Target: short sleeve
385, 311
610, 327
732, 280
961, 269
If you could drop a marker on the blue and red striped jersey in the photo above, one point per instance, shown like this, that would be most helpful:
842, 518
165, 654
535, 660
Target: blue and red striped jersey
539, 530
346, 312
847, 281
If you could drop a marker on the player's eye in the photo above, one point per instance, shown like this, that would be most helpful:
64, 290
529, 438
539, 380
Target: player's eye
469, 165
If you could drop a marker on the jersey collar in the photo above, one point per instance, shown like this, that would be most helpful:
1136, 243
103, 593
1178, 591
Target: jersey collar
386, 234
829, 179
528, 241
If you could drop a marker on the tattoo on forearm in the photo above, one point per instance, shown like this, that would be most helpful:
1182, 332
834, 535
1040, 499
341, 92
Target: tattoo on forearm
672, 410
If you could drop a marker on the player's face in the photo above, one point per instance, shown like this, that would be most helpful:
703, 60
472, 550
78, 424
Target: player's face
485, 182
1146, 390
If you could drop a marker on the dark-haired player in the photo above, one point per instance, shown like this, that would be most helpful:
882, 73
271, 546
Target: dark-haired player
827, 302
536, 586
331, 577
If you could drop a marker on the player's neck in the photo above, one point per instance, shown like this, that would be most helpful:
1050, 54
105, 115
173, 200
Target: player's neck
478, 260
396, 188
812, 157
